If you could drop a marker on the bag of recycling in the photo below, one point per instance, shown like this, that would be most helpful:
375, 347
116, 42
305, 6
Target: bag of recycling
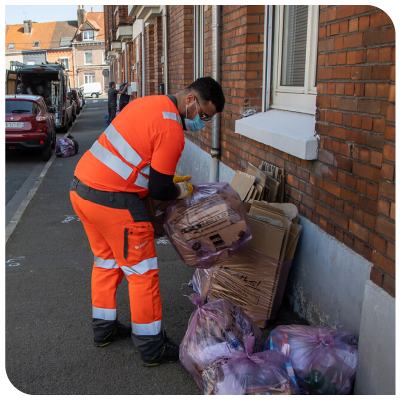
324, 360
215, 329
156, 210
209, 225
66, 147
243, 373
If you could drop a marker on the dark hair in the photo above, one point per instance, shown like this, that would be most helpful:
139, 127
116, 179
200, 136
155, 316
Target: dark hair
209, 90
111, 84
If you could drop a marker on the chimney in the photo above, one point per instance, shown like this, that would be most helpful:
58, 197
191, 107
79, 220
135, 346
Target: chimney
81, 15
28, 26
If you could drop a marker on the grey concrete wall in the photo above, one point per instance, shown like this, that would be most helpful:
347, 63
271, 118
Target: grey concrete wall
375, 373
327, 280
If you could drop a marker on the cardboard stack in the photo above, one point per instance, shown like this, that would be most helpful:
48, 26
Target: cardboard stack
255, 277
263, 183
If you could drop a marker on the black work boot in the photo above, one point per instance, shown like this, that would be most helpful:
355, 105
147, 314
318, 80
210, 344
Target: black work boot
119, 331
169, 352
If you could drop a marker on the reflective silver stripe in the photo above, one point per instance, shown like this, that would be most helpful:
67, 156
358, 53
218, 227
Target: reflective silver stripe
104, 313
146, 170
142, 181
108, 264
142, 267
147, 329
109, 159
122, 146
173, 116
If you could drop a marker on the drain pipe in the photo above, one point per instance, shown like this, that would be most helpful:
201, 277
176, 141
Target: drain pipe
165, 48
216, 124
143, 60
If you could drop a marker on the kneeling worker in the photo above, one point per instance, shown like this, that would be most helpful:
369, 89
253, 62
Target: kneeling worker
137, 154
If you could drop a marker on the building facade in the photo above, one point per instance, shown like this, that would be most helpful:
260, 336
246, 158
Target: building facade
88, 49
310, 89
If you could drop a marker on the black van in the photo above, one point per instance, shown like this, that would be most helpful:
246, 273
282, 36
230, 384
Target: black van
50, 81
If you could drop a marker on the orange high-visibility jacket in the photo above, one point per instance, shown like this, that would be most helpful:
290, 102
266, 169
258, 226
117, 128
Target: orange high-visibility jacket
147, 132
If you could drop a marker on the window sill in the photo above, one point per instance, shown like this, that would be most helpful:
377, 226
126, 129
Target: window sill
291, 132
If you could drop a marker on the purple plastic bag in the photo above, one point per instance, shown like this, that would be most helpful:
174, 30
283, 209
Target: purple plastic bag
215, 329
243, 373
208, 226
65, 147
324, 360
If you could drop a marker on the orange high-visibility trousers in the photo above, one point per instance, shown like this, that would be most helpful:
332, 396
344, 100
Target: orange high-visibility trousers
121, 246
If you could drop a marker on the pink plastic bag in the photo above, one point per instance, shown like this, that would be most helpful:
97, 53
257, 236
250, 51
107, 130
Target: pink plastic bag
208, 226
215, 329
324, 360
243, 373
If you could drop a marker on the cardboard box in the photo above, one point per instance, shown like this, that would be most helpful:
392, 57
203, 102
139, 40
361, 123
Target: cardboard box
254, 278
243, 183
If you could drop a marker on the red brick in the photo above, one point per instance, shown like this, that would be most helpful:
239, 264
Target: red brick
385, 227
350, 196
376, 277
389, 152
339, 220
382, 262
353, 40
345, 11
387, 190
388, 171
368, 205
372, 190
366, 171
383, 207
359, 231
353, 25
389, 285
391, 250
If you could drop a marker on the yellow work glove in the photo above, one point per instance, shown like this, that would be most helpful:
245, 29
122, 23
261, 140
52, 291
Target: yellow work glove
178, 178
184, 189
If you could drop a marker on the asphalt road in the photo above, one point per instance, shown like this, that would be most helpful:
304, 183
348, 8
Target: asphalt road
49, 343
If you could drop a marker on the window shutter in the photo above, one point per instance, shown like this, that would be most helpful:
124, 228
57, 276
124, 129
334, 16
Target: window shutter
294, 45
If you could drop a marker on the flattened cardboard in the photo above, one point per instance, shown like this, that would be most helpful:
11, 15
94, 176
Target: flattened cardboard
242, 183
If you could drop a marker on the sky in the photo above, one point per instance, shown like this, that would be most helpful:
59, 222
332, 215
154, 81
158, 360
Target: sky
44, 13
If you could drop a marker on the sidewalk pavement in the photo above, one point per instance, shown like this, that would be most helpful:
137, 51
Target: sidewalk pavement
49, 343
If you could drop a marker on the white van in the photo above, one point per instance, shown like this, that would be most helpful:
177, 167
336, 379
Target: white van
93, 89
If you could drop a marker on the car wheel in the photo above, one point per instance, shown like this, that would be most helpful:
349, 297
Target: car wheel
47, 153
74, 117
94, 95
70, 121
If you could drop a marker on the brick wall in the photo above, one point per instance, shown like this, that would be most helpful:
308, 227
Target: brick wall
356, 121
122, 17
158, 52
149, 59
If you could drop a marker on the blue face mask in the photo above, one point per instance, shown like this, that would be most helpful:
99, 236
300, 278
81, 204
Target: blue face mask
195, 124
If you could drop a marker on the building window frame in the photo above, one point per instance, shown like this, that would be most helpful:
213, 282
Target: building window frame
11, 46
199, 24
91, 57
36, 44
66, 64
89, 77
295, 98
86, 35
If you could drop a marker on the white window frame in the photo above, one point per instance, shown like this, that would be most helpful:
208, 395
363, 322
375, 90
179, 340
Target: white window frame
85, 38
89, 77
86, 52
291, 128
291, 98
199, 24
67, 67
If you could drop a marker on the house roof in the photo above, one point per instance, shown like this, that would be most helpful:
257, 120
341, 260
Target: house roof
41, 32
96, 20
48, 34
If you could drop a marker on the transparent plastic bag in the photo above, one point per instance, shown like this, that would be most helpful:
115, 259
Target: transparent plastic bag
243, 373
208, 226
65, 147
324, 360
214, 330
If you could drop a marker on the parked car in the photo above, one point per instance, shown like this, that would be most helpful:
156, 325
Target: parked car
93, 89
30, 124
77, 97
49, 80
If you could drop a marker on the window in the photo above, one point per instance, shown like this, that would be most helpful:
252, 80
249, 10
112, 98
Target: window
198, 42
89, 77
88, 57
10, 46
66, 62
35, 44
88, 35
294, 58
30, 63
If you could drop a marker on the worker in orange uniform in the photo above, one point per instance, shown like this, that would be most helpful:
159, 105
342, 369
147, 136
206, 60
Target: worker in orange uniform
137, 154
